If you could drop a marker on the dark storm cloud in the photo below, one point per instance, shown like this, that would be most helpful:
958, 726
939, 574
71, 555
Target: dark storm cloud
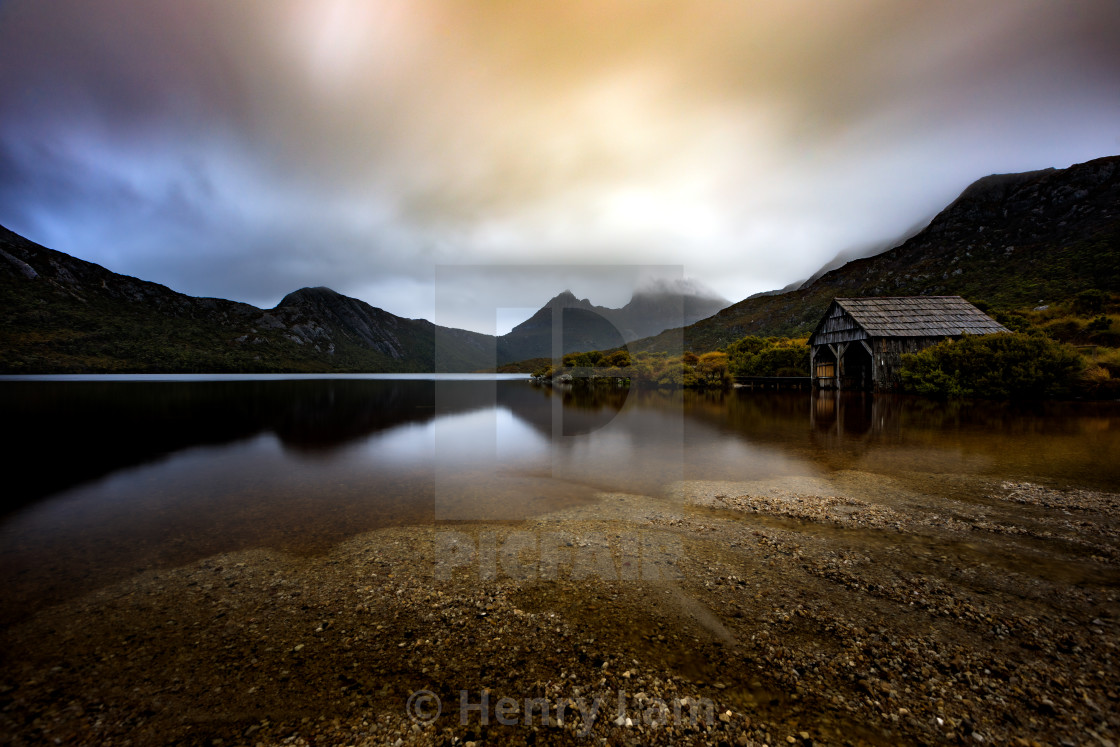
246, 149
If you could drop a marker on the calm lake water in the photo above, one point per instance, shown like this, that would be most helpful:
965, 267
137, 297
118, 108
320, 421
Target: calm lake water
108, 476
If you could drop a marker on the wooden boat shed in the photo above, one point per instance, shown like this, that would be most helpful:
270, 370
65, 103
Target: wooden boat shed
859, 342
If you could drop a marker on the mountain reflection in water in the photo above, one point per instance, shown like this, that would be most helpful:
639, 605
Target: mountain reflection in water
106, 478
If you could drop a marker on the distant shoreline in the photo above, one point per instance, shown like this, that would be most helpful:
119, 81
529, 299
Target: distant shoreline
266, 377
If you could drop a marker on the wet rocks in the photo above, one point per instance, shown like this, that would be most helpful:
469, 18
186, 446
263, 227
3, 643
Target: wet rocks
847, 621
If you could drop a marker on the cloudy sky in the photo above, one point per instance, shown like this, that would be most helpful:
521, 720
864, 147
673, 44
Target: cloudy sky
246, 149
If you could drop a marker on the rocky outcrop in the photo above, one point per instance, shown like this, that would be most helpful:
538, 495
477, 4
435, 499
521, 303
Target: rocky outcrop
315, 313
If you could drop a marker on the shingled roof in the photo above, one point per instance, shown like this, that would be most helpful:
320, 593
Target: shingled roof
919, 316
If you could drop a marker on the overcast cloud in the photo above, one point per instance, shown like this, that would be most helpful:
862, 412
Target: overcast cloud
247, 149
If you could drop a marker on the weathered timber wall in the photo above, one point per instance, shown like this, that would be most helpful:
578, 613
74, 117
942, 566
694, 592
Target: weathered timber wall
838, 326
888, 358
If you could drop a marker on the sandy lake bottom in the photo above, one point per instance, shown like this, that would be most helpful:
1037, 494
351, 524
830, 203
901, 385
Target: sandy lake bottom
369, 563
792, 611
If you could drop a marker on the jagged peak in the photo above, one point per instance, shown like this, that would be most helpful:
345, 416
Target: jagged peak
567, 299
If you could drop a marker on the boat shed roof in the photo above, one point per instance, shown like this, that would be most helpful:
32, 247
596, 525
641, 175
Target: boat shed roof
918, 316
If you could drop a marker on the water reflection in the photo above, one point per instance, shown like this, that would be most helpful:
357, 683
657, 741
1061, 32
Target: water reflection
912, 438
87, 429
575, 410
146, 474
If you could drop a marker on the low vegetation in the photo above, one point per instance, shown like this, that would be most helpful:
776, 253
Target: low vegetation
1087, 323
528, 366
1002, 366
1091, 318
1068, 349
717, 369
709, 370
769, 356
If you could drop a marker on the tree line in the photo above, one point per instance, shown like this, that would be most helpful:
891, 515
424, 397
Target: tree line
1069, 349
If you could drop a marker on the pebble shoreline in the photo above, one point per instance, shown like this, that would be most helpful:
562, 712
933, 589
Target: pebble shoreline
791, 611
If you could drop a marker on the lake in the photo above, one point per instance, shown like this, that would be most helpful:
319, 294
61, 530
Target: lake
151, 523
109, 475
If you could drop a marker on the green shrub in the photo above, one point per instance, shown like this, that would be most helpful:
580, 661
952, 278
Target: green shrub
1107, 358
1016, 321
711, 370
1003, 366
1064, 330
1100, 324
583, 360
1107, 338
769, 356
1090, 302
618, 359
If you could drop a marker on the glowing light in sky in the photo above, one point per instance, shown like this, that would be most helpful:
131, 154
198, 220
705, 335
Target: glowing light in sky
360, 143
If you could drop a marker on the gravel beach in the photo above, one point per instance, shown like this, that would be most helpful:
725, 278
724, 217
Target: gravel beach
856, 610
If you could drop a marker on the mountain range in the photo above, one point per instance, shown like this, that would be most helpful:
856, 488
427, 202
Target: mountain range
61, 314
1008, 241
585, 326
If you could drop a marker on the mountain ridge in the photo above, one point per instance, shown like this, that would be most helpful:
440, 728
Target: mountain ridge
65, 314
1008, 240
586, 326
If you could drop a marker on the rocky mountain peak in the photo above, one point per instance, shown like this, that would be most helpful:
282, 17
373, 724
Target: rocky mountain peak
303, 296
568, 300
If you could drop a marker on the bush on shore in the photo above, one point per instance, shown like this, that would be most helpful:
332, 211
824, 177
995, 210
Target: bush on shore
709, 370
1002, 366
769, 356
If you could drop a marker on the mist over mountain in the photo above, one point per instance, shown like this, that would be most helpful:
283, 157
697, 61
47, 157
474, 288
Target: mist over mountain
1008, 240
654, 307
860, 252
